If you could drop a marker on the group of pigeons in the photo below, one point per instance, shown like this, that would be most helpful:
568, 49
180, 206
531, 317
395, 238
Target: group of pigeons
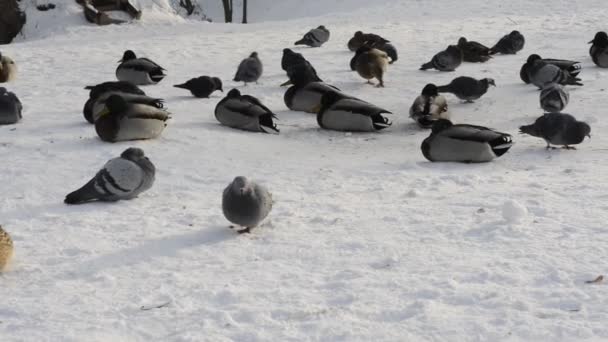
121, 111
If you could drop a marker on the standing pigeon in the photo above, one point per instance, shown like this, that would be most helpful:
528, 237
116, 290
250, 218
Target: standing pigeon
554, 98
10, 107
245, 112
202, 86
121, 178
250, 69
447, 60
6, 249
121, 120
572, 67
105, 90
8, 69
315, 37
429, 107
340, 112
464, 143
509, 44
467, 88
298, 68
246, 203
541, 73
139, 71
599, 49
558, 129
371, 63
360, 38
473, 52
307, 97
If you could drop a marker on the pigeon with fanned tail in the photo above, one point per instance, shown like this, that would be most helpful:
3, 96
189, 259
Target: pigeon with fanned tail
245, 112
139, 71
246, 203
315, 37
558, 129
121, 178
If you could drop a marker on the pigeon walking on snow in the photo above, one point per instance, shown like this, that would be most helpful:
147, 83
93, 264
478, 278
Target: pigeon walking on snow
558, 129
541, 73
315, 37
447, 60
246, 203
10, 107
510, 44
554, 98
139, 71
245, 112
121, 178
467, 88
250, 69
202, 86
464, 143
599, 50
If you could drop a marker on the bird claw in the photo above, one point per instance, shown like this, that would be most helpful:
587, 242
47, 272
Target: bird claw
243, 231
566, 147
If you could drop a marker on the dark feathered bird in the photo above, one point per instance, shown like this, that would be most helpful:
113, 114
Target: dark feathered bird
105, 90
447, 60
10, 107
541, 73
599, 50
558, 129
510, 44
298, 69
315, 37
361, 38
246, 203
202, 86
572, 67
473, 52
467, 88
554, 98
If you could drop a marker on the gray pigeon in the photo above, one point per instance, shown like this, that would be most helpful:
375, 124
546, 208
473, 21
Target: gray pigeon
464, 143
509, 44
473, 52
315, 37
99, 90
558, 129
467, 88
250, 69
447, 60
246, 203
121, 178
10, 107
554, 98
599, 49
8, 69
245, 112
307, 97
340, 112
139, 71
429, 107
542, 73
202, 86
572, 67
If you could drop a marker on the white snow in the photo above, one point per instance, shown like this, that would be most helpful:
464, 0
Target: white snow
367, 241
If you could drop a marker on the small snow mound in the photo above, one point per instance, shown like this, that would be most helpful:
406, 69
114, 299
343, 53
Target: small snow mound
513, 211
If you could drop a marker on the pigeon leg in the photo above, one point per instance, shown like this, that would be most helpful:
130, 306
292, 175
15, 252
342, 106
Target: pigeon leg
369, 82
245, 230
469, 101
569, 147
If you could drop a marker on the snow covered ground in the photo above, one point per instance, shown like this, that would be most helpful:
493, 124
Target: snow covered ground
367, 240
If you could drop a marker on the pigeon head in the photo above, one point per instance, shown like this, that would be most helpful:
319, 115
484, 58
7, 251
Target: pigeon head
583, 129
241, 185
514, 33
430, 90
133, 153
234, 93
218, 83
358, 34
441, 125
322, 27
533, 58
288, 52
127, 56
489, 81
601, 39
462, 41
2, 91
116, 104
253, 55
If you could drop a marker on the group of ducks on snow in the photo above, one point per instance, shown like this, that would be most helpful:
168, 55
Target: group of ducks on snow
121, 111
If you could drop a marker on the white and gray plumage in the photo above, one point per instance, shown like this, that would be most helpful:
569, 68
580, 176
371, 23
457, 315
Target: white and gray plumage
447, 60
246, 203
599, 50
8, 69
429, 107
10, 107
250, 69
554, 98
120, 178
558, 129
541, 73
122, 121
509, 44
464, 143
307, 98
340, 112
202, 86
473, 52
102, 90
245, 112
572, 67
6, 249
315, 37
371, 63
467, 88
139, 71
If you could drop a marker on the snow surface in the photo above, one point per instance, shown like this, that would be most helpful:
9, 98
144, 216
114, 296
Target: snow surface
367, 240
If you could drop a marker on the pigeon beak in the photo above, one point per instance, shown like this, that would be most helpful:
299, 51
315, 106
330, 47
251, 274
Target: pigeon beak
286, 83
119, 61
589, 135
590, 42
